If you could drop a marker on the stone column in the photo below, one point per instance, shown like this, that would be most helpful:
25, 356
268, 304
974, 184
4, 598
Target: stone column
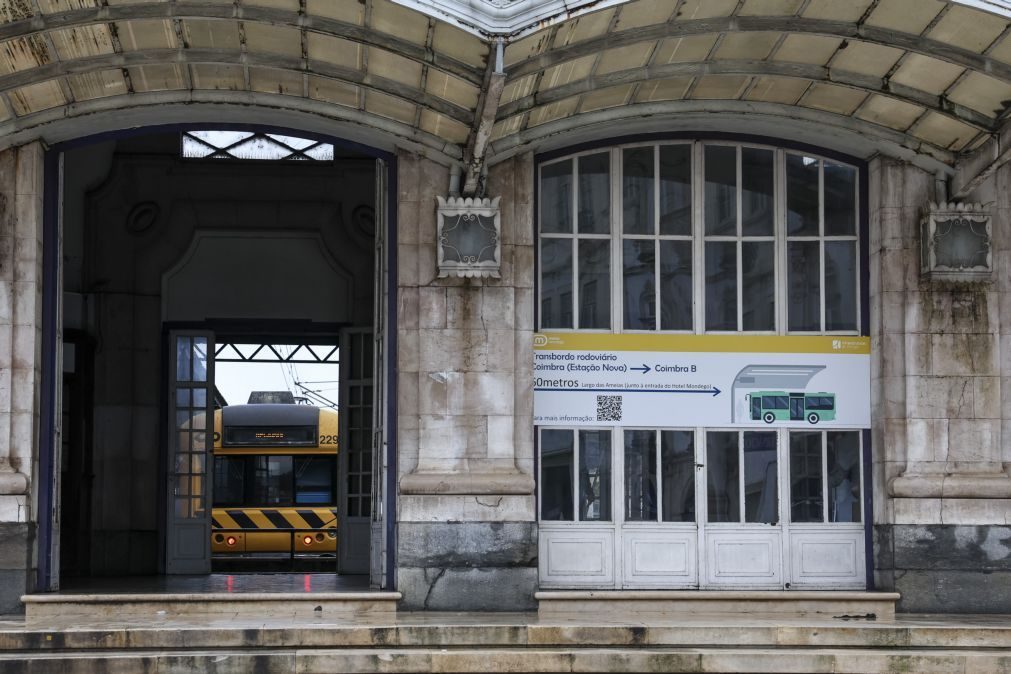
466, 522
940, 484
21, 187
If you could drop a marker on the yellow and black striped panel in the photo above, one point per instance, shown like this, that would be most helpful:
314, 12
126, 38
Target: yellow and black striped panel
271, 529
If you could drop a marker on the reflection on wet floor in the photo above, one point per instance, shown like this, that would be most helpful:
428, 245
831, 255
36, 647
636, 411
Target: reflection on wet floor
218, 582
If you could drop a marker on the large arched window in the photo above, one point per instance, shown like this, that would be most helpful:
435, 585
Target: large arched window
699, 237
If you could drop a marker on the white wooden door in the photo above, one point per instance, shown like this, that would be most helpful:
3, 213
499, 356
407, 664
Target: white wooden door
669, 508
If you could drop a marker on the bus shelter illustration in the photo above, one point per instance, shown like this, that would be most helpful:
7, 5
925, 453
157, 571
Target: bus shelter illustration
779, 393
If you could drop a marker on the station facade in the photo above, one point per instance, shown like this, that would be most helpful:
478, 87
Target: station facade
736, 319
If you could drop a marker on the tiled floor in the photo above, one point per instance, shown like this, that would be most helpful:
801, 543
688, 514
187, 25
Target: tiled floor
218, 582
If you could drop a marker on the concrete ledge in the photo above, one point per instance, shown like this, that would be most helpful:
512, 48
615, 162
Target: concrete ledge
658, 602
467, 483
250, 605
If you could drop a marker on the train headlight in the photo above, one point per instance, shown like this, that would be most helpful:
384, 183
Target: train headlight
307, 540
230, 540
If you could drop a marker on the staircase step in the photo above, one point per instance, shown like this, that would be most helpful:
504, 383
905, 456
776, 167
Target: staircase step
367, 660
631, 603
53, 606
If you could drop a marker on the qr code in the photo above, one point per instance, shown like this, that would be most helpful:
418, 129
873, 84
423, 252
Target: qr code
608, 408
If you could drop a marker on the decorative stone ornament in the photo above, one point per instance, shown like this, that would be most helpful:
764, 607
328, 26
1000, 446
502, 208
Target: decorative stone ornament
955, 242
470, 243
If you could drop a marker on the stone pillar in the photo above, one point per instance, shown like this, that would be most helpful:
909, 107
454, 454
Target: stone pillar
21, 187
466, 533
940, 484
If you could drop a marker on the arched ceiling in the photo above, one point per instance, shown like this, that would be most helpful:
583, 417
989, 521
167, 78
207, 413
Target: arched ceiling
929, 78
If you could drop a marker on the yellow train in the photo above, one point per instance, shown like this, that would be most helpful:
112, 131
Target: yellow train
275, 481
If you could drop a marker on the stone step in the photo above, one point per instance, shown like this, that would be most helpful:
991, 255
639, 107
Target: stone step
534, 659
632, 603
508, 631
40, 608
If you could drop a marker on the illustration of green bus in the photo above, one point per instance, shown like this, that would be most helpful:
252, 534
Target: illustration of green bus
771, 406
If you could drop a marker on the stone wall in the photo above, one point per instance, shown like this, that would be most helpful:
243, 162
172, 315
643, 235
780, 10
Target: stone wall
466, 533
941, 491
21, 180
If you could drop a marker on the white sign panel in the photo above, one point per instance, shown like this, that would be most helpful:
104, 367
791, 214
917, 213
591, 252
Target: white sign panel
583, 379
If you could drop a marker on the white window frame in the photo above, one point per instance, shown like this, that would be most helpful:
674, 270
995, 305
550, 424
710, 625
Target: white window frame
699, 238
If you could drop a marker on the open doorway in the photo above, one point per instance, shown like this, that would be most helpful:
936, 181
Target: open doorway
222, 301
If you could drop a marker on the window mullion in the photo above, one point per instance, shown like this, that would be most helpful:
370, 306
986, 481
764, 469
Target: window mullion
821, 238
824, 476
741, 496
617, 231
698, 245
738, 195
657, 303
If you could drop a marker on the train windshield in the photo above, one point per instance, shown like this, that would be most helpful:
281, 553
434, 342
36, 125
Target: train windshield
274, 480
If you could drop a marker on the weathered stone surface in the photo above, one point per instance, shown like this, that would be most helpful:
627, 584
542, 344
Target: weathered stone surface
468, 589
961, 548
950, 591
467, 544
13, 584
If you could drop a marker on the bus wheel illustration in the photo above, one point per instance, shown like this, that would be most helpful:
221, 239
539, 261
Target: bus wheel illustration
812, 417
768, 417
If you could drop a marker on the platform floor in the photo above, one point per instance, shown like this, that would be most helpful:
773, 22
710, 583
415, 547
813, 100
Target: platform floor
239, 583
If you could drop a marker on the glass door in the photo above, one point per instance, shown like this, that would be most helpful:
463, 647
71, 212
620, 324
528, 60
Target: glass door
659, 531
191, 424
742, 532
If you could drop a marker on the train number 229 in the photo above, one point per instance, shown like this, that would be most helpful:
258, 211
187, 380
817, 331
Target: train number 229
328, 439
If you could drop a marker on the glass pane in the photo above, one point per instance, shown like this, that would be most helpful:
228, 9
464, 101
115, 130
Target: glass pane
182, 358
723, 491
182, 463
556, 474
229, 480
595, 476
756, 192
199, 359
272, 480
803, 280
840, 285
677, 474
761, 493
556, 283
721, 190
197, 465
199, 441
182, 508
594, 283
639, 270
314, 480
676, 189
556, 197
840, 200
640, 476
721, 285
758, 285
843, 462
183, 418
595, 194
200, 398
675, 285
637, 190
805, 477
801, 195
182, 397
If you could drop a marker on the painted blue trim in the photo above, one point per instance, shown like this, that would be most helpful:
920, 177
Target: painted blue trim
50, 368
390, 432
868, 511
